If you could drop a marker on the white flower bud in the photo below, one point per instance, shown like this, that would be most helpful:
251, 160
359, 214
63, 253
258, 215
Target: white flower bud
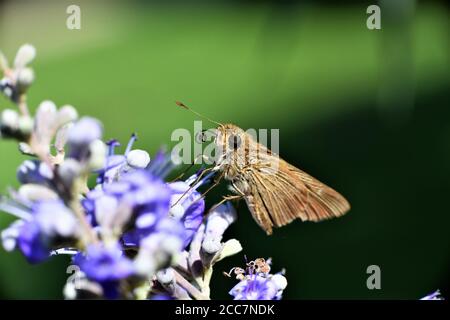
46, 107
10, 119
69, 170
36, 192
66, 114
25, 148
8, 92
9, 235
176, 211
61, 136
26, 124
45, 121
98, 151
25, 78
211, 245
166, 276
279, 281
138, 159
9, 240
220, 219
45, 170
28, 165
105, 211
24, 56
145, 221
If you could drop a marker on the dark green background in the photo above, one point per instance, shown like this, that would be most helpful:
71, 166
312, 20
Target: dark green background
365, 111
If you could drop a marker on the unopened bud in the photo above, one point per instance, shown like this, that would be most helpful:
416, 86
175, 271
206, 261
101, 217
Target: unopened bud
9, 119
166, 276
25, 78
279, 281
26, 124
36, 192
66, 114
138, 159
69, 170
97, 158
24, 56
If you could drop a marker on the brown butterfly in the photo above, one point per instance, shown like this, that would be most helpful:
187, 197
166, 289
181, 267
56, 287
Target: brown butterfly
275, 191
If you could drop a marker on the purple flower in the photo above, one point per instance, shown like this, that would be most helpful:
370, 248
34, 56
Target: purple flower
81, 135
84, 131
52, 224
104, 263
138, 200
187, 208
32, 244
34, 171
161, 165
217, 223
257, 287
116, 165
161, 297
433, 296
159, 247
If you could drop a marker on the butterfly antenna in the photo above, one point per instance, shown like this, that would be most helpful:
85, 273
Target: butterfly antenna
182, 105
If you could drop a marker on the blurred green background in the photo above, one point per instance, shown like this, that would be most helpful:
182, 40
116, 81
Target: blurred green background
365, 111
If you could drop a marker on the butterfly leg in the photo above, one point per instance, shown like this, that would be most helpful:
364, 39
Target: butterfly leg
200, 176
189, 168
216, 182
238, 191
225, 199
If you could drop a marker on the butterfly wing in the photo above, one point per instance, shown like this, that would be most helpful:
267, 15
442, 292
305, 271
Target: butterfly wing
277, 196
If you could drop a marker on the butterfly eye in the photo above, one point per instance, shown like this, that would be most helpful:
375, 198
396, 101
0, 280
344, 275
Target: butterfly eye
234, 142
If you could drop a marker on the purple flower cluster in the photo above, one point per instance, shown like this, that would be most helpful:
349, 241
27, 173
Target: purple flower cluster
131, 234
258, 287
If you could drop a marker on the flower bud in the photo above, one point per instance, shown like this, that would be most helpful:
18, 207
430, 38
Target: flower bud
34, 171
97, 157
25, 78
165, 276
211, 245
279, 281
9, 235
36, 192
9, 120
69, 170
176, 211
66, 114
45, 121
26, 124
25, 55
85, 131
219, 220
138, 159
25, 148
